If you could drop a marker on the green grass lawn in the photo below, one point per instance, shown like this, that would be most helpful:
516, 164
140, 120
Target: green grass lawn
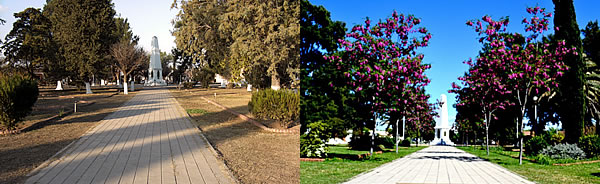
583, 173
336, 170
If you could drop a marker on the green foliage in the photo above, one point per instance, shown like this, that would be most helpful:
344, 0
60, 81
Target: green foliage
29, 45
590, 144
311, 144
563, 151
534, 145
556, 138
386, 142
572, 107
204, 76
18, 94
233, 40
83, 45
280, 105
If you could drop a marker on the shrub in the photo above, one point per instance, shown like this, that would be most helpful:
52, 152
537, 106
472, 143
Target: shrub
590, 144
18, 94
543, 159
387, 142
310, 143
406, 142
534, 145
204, 76
564, 151
281, 105
556, 138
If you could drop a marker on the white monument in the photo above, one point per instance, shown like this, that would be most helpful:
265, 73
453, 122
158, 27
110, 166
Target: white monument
442, 134
155, 69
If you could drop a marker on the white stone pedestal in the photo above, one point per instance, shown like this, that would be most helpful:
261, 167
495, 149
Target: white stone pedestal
58, 85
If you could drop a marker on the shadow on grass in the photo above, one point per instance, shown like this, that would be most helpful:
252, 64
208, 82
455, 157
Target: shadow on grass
596, 174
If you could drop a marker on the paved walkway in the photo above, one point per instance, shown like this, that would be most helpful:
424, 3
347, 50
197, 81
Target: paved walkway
148, 140
439, 164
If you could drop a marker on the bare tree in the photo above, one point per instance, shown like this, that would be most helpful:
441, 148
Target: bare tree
128, 57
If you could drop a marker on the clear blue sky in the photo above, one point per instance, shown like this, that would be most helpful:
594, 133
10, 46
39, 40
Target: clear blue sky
452, 41
146, 18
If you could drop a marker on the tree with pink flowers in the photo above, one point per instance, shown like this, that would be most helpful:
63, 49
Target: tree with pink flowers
509, 67
387, 76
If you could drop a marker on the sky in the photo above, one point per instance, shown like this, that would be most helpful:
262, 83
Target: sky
452, 40
146, 18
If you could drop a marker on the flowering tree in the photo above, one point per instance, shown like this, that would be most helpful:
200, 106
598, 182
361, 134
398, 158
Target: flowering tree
386, 75
509, 67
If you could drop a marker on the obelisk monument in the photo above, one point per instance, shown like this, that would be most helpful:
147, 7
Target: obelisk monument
155, 69
442, 134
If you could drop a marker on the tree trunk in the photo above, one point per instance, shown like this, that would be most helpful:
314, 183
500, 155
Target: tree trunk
275, 85
373, 138
521, 141
487, 140
125, 85
88, 90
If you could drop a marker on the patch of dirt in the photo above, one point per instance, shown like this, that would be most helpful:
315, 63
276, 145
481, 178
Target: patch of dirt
253, 155
21, 153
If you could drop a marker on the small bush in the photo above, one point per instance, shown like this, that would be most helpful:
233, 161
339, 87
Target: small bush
281, 105
543, 159
311, 145
18, 94
534, 145
406, 142
590, 144
564, 151
387, 142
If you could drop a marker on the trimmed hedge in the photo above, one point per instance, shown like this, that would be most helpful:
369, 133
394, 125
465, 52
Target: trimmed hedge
281, 105
18, 94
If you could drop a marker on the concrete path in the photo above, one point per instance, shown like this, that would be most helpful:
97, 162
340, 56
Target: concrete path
439, 164
148, 140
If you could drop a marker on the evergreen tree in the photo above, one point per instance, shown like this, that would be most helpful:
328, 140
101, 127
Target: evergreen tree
573, 106
83, 30
29, 45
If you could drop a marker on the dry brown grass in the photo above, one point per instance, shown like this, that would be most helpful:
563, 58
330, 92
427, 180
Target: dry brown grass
21, 153
253, 155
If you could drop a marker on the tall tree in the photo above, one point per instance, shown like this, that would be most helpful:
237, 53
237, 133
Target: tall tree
29, 44
320, 101
265, 33
573, 106
386, 75
83, 30
129, 57
197, 35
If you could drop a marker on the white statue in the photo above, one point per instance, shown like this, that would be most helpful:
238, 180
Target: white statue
155, 69
442, 134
